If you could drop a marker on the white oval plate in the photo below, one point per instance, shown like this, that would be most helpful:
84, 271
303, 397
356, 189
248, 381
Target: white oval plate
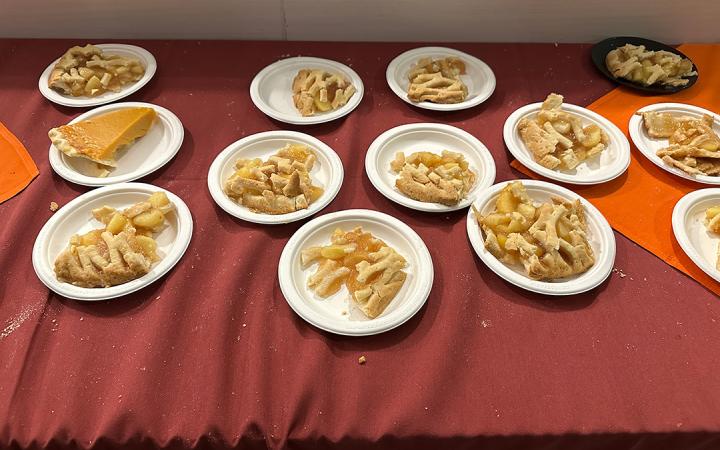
327, 314
427, 137
600, 236
145, 57
76, 218
271, 90
327, 173
144, 156
610, 164
688, 222
649, 146
479, 79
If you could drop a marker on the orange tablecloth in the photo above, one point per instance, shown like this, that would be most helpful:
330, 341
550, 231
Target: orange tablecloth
17, 168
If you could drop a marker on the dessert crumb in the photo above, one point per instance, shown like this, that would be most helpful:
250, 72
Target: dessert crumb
54, 206
622, 275
362, 359
344, 313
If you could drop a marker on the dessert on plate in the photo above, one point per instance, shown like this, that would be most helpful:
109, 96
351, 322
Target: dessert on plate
635, 63
279, 185
437, 81
694, 146
123, 250
558, 139
712, 223
100, 138
548, 239
89, 71
433, 178
317, 90
371, 270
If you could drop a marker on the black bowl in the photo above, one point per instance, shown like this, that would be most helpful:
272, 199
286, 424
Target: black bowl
602, 48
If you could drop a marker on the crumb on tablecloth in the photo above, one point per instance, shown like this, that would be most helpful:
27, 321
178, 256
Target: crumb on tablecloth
54, 206
362, 359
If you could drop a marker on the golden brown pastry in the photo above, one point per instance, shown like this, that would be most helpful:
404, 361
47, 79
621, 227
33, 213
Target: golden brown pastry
320, 91
549, 239
279, 185
437, 81
694, 146
558, 139
88, 71
122, 251
433, 178
635, 63
370, 269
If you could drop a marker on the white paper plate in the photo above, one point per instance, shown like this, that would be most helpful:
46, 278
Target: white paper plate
610, 164
76, 218
600, 235
144, 156
271, 90
479, 79
327, 314
688, 222
145, 57
649, 146
426, 137
327, 173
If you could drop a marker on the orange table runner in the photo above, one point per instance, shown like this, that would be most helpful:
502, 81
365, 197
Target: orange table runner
17, 168
639, 204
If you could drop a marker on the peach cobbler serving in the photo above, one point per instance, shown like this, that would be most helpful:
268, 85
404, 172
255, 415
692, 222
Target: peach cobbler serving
437, 81
317, 90
279, 185
558, 139
371, 270
89, 71
694, 147
123, 250
549, 239
433, 178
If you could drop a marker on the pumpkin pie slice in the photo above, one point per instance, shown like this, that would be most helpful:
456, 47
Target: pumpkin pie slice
99, 138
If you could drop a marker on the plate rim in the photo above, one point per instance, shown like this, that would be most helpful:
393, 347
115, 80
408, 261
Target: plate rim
560, 289
177, 128
635, 129
343, 111
679, 214
602, 68
526, 160
373, 173
85, 102
296, 303
395, 88
242, 213
185, 230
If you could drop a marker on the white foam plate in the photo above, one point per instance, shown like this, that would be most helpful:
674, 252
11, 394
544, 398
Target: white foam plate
600, 236
76, 218
433, 138
144, 156
327, 314
145, 57
327, 172
610, 164
479, 79
649, 146
271, 90
688, 222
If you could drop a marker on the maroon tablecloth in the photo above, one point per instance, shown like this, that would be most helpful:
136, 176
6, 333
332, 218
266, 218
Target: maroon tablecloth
212, 355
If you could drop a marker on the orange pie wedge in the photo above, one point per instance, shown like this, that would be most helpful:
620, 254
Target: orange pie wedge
100, 137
